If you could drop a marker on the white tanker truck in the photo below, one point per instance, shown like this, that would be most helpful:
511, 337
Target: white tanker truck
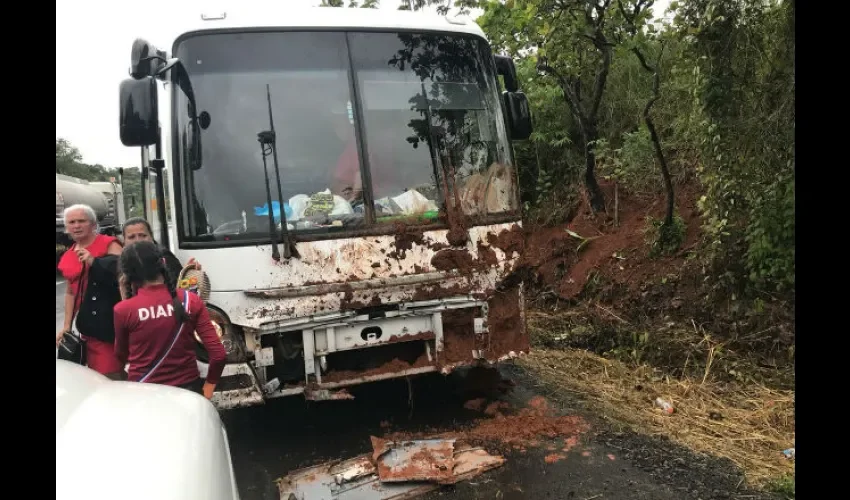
106, 198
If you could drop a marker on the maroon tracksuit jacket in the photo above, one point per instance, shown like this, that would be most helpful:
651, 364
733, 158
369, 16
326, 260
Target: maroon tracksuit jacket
145, 327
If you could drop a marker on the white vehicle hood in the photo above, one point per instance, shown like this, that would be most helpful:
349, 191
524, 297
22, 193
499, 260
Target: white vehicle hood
126, 440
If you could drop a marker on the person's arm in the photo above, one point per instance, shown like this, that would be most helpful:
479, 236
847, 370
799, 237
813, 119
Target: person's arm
119, 321
114, 248
217, 356
105, 268
173, 265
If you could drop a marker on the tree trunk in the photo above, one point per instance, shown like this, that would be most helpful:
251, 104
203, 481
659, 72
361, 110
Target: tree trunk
586, 124
665, 172
594, 192
653, 133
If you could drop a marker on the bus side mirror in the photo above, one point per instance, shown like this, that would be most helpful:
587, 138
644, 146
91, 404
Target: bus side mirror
146, 59
138, 109
519, 115
505, 67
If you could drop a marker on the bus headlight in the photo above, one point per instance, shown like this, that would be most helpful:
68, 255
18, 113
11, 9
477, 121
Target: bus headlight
226, 333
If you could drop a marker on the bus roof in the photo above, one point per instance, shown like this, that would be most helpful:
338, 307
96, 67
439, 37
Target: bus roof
278, 15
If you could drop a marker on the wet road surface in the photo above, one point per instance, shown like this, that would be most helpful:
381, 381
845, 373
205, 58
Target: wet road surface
269, 441
287, 434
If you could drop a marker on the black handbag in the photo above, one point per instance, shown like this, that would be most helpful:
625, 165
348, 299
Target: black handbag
72, 347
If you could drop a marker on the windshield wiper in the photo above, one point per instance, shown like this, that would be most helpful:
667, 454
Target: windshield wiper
269, 138
264, 139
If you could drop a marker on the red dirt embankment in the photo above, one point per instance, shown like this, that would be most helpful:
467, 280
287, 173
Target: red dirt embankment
560, 264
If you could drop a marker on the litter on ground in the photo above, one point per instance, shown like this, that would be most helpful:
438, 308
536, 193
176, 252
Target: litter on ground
394, 470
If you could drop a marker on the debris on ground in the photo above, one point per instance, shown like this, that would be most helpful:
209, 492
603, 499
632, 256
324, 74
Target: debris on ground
393, 471
511, 428
664, 405
431, 459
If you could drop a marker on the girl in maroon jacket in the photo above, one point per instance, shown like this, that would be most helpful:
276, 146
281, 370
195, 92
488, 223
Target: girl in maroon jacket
154, 328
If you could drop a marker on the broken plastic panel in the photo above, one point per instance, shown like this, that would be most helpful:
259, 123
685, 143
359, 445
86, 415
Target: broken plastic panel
430, 462
413, 460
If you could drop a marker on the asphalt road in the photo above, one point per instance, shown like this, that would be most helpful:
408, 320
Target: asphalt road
60, 301
290, 434
269, 441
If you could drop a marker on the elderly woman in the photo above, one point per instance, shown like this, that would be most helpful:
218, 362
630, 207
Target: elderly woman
90, 269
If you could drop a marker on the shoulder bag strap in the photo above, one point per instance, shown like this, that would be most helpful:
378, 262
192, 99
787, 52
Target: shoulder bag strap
78, 296
173, 340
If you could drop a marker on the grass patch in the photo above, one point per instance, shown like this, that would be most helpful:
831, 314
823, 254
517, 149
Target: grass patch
748, 424
783, 486
677, 348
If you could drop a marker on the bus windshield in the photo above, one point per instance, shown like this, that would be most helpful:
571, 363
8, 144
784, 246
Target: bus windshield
391, 120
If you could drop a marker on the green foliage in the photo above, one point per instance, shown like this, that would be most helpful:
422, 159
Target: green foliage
633, 164
553, 125
443, 7
785, 487
743, 99
549, 158
629, 86
664, 239
544, 183
770, 236
353, 4
726, 115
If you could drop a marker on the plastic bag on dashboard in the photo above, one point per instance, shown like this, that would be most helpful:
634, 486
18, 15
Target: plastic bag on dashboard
412, 202
326, 203
264, 210
299, 205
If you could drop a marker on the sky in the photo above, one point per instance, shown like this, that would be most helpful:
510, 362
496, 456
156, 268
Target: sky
93, 40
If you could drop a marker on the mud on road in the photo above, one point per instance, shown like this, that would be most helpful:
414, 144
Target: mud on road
565, 454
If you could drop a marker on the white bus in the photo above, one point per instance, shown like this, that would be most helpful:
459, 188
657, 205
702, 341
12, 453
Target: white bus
346, 178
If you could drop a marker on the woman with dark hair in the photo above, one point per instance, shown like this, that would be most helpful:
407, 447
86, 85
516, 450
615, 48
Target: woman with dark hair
139, 229
154, 328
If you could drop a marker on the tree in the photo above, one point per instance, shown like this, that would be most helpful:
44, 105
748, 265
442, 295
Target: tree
366, 4
742, 56
443, 6
67, 157
572, 41
636, 17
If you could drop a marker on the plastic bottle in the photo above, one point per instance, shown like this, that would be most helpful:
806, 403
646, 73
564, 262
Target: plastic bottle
665, 406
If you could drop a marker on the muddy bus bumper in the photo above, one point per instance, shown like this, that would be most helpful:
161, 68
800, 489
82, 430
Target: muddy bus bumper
419, 338
249, 392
